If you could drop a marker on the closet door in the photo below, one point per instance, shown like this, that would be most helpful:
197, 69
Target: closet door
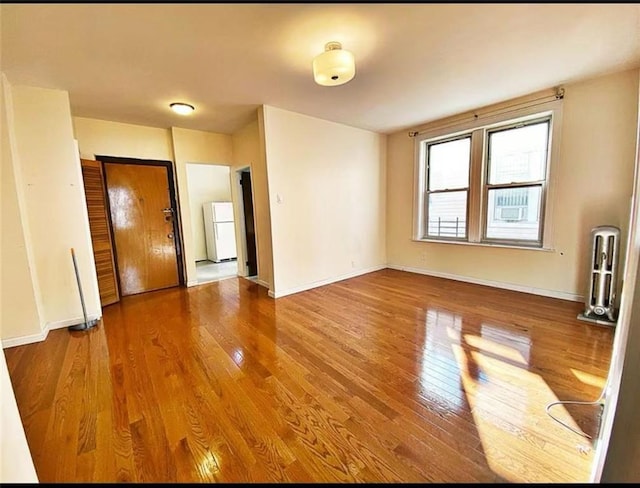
100, 231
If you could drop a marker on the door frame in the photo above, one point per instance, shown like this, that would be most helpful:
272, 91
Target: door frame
177, 227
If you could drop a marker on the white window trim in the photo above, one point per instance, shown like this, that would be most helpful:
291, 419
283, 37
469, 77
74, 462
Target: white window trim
476, 183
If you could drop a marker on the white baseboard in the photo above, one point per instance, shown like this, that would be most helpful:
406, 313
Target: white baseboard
263, 283
41, 336
29, 339
61, 324
496, 284
315, 284
192, 283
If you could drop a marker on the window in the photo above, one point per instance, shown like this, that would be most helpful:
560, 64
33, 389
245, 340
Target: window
487, 181
448, 188
516, 167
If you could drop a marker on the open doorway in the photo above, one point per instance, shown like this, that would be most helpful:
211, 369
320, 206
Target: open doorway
246, 227
212, 221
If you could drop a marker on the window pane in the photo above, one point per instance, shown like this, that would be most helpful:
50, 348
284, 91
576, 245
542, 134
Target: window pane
447, 214
518, 155
449, 164
514, 213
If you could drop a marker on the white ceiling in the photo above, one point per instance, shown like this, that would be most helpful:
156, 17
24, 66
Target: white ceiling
414, 62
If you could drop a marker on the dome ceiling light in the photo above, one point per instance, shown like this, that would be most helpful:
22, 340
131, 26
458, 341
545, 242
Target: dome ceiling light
334, 66
182, 108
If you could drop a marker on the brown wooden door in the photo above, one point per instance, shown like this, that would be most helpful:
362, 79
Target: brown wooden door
142, 221
100, 231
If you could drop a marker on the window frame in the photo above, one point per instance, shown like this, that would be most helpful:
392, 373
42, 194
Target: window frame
486, 186
477, 199
428, 192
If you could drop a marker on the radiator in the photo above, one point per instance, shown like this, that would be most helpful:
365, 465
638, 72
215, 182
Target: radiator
600, 301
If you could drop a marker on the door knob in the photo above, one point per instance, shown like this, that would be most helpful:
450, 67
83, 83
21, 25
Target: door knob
170, 235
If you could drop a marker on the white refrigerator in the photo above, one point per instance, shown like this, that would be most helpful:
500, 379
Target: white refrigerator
219, 231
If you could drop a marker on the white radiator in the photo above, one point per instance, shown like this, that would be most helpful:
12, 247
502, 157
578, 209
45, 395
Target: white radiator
600, 301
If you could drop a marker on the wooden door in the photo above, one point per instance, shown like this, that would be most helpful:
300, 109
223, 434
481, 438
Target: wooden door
250, 232
142, 222
95, 196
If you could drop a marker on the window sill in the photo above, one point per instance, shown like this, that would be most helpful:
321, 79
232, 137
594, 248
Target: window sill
485, 244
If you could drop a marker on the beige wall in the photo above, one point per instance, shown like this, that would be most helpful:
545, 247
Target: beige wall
593, 187
206, 183
248, 150
16, 464
327, 199
19, 312
105, 138
195, 146
54, 210
618, 444
181, 146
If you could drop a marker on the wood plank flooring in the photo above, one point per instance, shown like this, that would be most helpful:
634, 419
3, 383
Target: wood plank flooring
387, 377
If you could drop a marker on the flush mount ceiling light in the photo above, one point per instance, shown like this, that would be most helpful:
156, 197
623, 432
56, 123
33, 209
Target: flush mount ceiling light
334, 66
182, 108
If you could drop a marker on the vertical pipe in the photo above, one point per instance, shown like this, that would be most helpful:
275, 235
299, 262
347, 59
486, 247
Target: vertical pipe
75, 267
85, 324
602, 275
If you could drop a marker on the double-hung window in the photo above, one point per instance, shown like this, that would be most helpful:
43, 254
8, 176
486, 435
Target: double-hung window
487, 181
448, 187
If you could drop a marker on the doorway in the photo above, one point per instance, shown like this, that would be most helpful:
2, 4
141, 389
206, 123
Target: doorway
249, 223
212, 221
142, 209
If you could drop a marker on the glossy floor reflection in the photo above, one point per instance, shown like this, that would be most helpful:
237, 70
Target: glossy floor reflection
389, 377
207, 271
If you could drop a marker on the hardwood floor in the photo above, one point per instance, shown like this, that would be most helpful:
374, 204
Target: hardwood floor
389, 376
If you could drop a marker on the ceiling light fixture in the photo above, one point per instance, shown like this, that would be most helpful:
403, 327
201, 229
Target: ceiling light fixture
182, 108
334, 66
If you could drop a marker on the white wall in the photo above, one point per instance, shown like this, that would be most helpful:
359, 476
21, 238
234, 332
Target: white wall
249, 150
327, 199
206, 183
594, 179
52, 206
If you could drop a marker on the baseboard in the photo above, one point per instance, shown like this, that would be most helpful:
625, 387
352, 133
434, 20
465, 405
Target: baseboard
496, 284
29, 339
192, 283
328, 281
61, 324
263, 283
41, 336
